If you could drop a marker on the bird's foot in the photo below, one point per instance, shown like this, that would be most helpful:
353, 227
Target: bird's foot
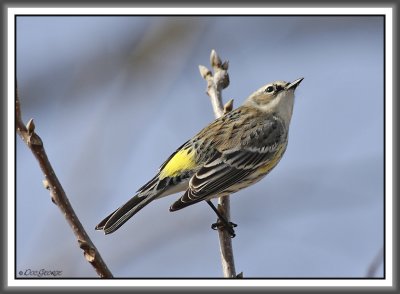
228, 226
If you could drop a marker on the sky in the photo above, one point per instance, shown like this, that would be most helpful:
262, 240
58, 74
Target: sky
113, 97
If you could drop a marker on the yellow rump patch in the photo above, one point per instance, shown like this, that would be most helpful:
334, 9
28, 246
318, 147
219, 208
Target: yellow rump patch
182, 160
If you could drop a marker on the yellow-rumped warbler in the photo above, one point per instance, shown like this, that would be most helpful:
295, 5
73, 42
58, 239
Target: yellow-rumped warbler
232, 153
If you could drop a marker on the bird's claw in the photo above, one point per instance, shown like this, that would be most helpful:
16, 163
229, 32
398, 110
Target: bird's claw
219, 225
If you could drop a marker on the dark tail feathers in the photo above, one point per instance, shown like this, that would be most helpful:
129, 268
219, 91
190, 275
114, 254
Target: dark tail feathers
120, 216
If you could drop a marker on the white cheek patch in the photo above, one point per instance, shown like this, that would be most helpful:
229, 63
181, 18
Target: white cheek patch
271, 105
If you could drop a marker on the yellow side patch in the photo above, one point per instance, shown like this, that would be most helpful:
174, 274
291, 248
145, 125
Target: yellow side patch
182, 160
273, 162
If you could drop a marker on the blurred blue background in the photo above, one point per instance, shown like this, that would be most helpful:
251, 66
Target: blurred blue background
112, 97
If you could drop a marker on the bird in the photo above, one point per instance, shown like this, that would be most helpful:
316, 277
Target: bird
233, 152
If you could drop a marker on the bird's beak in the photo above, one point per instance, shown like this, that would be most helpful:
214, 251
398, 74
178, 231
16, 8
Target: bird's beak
294, 84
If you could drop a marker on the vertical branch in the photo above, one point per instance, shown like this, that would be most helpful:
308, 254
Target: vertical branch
57, 193
215, 84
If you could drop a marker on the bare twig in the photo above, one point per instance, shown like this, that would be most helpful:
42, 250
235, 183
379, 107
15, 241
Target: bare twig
215, 83
58, 196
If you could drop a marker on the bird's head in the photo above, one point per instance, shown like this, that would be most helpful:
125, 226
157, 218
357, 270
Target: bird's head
277, 97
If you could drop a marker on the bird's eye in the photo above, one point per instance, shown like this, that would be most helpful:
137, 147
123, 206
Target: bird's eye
269, 89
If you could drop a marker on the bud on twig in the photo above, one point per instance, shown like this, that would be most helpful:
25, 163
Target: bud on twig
34, 140
88, 251
228, 106
30, 126
215, 61
46, 184
221, 79
204, 71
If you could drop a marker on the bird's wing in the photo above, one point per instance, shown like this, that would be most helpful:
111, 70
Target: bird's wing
231, 166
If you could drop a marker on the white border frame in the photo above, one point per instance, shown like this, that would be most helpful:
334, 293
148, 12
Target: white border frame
387, 282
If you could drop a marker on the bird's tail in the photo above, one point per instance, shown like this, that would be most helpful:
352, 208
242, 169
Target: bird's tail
121, 215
